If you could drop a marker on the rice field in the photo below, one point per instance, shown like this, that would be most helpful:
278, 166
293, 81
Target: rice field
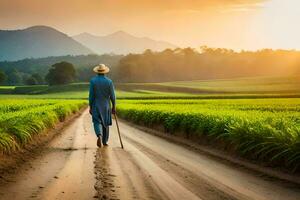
261, 129
21, 119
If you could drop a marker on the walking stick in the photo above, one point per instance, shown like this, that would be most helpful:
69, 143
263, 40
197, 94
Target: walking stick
119, 131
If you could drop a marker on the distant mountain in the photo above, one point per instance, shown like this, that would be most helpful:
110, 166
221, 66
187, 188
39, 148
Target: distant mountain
37, 41
120, 43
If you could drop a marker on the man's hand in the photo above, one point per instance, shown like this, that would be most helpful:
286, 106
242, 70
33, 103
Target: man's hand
90, 111
113, 110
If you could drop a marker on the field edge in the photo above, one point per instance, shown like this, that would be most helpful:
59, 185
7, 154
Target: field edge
11, 162
217, 154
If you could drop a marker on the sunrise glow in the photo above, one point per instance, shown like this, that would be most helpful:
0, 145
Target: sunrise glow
240, 24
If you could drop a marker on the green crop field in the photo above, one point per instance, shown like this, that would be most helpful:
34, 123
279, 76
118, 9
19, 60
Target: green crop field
253, 85
243, 85
6, 89
260, 129
21, 119
257, 118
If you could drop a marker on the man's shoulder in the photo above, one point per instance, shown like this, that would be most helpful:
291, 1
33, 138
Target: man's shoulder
98, 79
108, 79
93, 79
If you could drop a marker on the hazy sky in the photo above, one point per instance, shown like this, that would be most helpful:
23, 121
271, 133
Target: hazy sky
238, 24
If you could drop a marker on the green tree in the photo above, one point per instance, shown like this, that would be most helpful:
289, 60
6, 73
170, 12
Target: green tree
39, 79
3, 77
61, 73
25, 77
14, 77
31, 81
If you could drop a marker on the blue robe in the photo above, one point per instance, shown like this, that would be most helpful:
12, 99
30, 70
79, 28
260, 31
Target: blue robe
101, 94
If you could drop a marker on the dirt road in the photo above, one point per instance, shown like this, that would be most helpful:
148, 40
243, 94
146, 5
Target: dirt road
72, 167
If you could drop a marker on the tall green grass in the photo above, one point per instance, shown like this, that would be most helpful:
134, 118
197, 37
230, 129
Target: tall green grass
21, 119
262, 129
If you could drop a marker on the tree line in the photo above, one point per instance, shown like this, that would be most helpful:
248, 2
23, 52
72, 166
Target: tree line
33, 71
59, 73
168, 65
206, 63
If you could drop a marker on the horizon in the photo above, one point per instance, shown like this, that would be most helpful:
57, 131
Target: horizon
146, 37
243, 24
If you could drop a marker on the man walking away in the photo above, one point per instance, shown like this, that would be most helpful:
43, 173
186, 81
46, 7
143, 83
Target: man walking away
101, 94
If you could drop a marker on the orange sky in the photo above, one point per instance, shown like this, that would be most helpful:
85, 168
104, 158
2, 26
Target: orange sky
238, 24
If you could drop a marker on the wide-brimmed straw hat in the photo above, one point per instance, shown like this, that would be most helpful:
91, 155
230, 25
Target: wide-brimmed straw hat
101, 69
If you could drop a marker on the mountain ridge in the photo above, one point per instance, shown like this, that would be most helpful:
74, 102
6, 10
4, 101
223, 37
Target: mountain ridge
36, 42
120, 42
44, 41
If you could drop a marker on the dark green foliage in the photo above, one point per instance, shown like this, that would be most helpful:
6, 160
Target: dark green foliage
14, 78
3, 77
61, 73
33, 89
45, 89
83, 64
31, 81
34, 79
7, 89
39, 79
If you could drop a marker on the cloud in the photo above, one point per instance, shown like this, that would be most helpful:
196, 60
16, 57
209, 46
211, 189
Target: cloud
243, 7
113, 7
187, 5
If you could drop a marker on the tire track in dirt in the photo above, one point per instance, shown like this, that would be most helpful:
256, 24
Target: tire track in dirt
135, 175
230, 179
185, 177
63, 169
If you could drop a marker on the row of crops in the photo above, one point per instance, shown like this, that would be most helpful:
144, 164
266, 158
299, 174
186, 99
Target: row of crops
261, 129
21, 119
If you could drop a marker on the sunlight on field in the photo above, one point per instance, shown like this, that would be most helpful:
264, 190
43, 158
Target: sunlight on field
261, 129
21, 119
268, 84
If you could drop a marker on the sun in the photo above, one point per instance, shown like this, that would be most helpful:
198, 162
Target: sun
279, 23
